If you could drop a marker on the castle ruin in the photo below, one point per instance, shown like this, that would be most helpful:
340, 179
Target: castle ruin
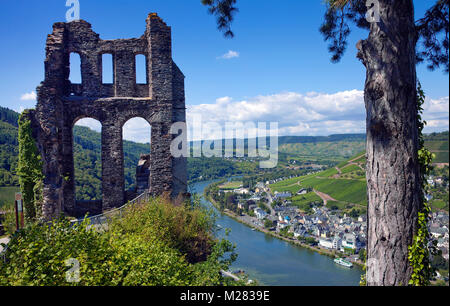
61, 104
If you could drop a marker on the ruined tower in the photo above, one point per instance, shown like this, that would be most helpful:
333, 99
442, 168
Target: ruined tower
61, 104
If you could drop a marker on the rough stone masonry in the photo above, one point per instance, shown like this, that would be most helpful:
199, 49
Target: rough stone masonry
61, 104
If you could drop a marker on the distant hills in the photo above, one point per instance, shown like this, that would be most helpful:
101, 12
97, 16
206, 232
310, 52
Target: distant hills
87, 155
344, 187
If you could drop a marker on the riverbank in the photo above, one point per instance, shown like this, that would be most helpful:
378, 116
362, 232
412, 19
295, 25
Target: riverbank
294, 241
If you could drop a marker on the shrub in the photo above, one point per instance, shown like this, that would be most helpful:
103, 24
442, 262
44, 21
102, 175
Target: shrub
152, 244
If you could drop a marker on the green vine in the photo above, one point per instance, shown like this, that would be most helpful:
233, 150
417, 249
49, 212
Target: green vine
29, 169
421, 249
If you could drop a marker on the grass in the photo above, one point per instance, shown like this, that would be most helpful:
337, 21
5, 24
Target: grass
328, 173
292, 189
342, 149
439, 205
336, 204
231, 185
437, 145
351, 191
7, 194
290, 185
350, 168
303, 201
441, 157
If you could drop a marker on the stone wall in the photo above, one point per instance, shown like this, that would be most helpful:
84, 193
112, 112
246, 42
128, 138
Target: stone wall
61, 104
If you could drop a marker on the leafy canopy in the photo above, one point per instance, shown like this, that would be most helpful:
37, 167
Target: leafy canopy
432, 30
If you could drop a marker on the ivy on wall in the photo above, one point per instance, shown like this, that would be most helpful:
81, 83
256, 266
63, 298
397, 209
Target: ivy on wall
29, 169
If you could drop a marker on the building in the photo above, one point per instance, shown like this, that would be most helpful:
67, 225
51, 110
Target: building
282, 195
302, 191
349, 242
337, 243
241, 191
260, 214
326, 243
61, 103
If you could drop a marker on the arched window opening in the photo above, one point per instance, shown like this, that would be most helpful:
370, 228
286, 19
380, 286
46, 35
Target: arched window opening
107, 69
87, 155
141, 69
136, 134
75, 68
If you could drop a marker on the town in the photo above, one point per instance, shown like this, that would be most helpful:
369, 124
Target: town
328, 231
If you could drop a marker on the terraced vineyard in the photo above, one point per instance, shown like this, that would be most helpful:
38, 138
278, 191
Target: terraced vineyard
437, 143
340, 188
344, 187
333, 150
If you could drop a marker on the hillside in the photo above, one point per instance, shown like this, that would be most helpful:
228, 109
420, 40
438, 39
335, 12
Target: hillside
87, 158
340, 188
294, 151
437, 143
344, 187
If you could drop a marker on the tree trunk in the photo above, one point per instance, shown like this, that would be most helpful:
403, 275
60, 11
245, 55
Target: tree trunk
393, 180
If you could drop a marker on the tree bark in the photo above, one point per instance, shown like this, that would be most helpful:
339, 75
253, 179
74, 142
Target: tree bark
393, 180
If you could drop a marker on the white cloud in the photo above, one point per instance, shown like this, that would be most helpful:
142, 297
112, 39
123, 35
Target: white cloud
305, 114
90, 123
229, 55
136, 129
29, 96
309, 114
436, 114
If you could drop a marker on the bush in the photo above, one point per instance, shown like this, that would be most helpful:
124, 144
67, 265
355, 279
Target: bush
152, 244
9, 219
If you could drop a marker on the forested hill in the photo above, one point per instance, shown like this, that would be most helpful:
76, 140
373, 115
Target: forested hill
87, 155
9, 149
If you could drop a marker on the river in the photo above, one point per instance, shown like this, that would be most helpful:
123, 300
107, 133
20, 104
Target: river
274, 262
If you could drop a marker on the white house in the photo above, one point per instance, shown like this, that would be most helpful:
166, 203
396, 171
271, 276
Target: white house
337, 243
241, 191
302, 191
349, 241
260, 214
326, 243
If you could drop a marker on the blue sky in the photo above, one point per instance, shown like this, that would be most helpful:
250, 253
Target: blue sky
277, 57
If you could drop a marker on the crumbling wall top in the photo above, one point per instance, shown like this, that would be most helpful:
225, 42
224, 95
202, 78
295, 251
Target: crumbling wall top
78, 37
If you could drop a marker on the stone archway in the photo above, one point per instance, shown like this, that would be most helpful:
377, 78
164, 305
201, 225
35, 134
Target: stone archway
60, 103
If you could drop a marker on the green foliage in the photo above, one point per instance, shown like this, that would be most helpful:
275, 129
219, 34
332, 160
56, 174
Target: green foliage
343, 149
29, 168
224, 10
306, 201
203, 168
155, 244
420, 250
308, 240
88, 162
9, 150
9, 218
7, 195
432, 30
350, 191
268, 224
